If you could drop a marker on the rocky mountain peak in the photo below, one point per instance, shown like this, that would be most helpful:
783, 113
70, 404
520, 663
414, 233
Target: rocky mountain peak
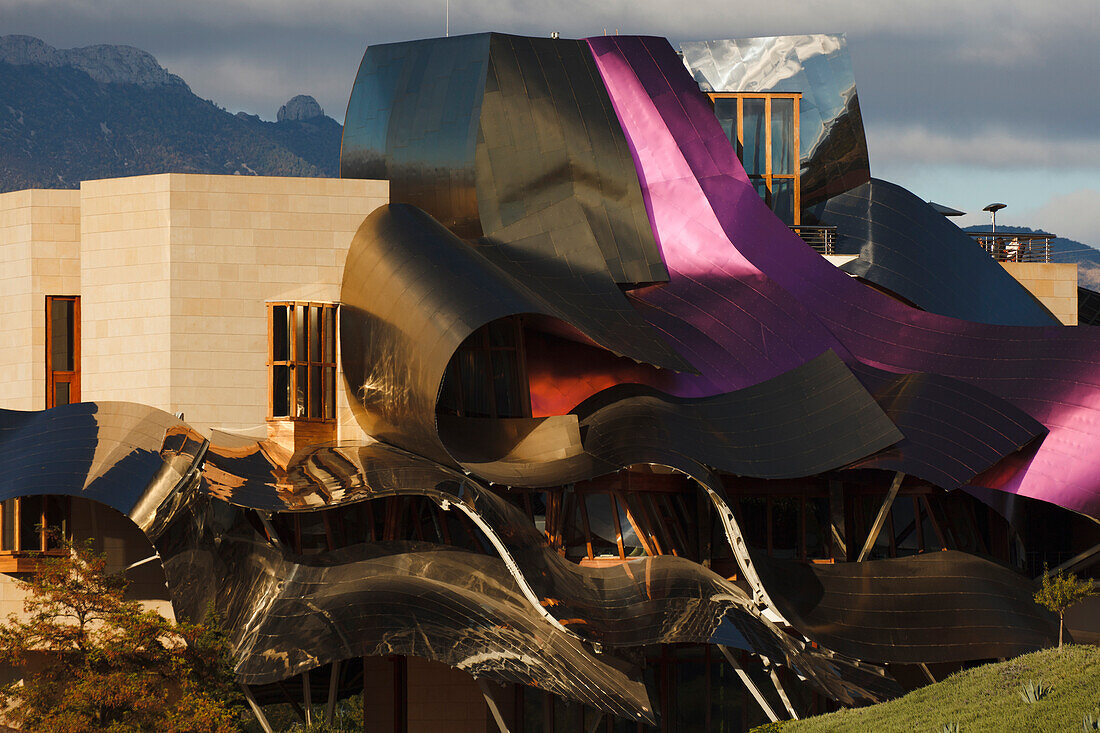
104, 63
300, 108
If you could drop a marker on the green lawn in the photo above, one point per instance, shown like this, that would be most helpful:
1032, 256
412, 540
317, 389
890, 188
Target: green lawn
982, 699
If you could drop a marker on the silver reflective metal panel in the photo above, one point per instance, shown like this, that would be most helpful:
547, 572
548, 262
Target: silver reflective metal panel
832, 145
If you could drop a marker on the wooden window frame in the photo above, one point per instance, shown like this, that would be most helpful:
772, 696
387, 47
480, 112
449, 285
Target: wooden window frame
54, 377
296, 367
768, 177
19, 559
480, 341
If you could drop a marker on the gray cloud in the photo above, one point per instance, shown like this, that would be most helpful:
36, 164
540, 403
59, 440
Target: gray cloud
995, 145
1073, 215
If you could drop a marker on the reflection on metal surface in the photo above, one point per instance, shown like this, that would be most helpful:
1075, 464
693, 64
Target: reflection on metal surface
555, 182
1088, 307
968, 608
833, 147
907, 247
508, 137
687, 164
413, 292
468, 610
412, 120
953, 430
812, 419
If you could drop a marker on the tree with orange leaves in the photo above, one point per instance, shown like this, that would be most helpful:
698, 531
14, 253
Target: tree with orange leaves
94, 661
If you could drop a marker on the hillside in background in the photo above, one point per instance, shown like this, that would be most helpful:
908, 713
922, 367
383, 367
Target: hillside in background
108, 111
1062, 250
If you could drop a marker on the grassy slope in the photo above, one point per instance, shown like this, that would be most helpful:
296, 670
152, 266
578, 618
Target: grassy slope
983, 699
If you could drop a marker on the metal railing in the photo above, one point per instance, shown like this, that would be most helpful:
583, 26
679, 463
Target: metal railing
823, 239
1015, 247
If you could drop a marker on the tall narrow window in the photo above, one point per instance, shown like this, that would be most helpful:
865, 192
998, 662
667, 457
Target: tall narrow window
62, 350
764, 130
486, 376
303, 360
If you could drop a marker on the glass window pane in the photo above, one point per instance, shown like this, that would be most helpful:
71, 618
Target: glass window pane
690, 711
817, 527
782, 202
280, 391
871, 506
301, 387
298, 315
725, 109
505, 384
280, 334
727, 696
30, 519
755, 153
785, 526
62, 319
61, 394
502, 333
931, 539
783, 136
330, 393
905, 526
9, 524
601, 525
57, 519
476, 399
315, 391
314, 333
330, 335
754, 514
534, 701
762, 190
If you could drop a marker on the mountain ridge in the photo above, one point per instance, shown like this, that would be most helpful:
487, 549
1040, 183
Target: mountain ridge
109, 111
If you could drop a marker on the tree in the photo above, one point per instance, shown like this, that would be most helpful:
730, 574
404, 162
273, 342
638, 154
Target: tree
108, 665
1060, 591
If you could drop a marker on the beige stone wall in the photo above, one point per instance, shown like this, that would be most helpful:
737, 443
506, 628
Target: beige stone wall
177, 273
1054, 284
39, 256
125, 290
239, 242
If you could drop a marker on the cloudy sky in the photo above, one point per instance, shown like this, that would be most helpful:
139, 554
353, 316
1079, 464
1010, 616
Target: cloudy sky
965, 101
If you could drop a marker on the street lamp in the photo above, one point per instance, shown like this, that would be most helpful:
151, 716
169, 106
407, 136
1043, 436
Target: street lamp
993, 209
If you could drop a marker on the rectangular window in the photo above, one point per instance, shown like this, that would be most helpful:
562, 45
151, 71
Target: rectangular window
62, 350
33, 524
764, 130
302, 363
486, 376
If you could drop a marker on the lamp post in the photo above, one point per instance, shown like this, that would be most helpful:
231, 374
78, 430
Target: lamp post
993, 209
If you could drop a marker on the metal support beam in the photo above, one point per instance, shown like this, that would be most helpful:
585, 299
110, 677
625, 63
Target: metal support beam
257, 711
883, 513
596, 723
272, 535
307, 700
927, 673
749, 683
333, 691
1083, 561
782, 693
490, 700
836, 521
